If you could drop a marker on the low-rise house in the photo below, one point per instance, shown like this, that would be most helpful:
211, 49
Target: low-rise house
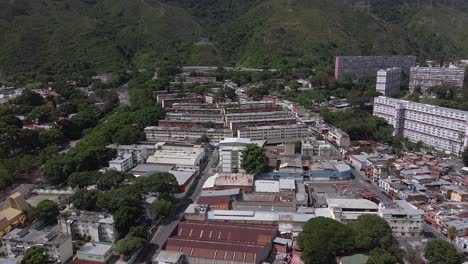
461, 225
98, 227
57, 246
94, 252
459, 196
139, 152
123, 162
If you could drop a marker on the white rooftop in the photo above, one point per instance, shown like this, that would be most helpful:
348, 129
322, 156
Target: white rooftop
402, 207
265, 186
178, 157
95, 249
351, 203
210, 182
169, 257
287, 184
235, 215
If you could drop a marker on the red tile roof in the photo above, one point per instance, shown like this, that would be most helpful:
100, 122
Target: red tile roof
210, 200
223, 241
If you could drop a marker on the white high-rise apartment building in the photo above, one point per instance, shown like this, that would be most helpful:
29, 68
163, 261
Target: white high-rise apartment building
443, 128
388, 81
426, 77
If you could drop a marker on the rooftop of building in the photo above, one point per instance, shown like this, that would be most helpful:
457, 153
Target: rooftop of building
127, 147
169, 257
267, 186
273, 127
88, 216
93, 248
37, 237
121, 157
230, 192
425, 105
182, 176
259, 216
351, 203
287, 184
148, 169
234, 179
327, 165
460, 224
401, 207
158, 128
210, 200
179, 156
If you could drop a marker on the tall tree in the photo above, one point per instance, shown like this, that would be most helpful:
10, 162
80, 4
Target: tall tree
452, 233
254, 160
46, 210
34, 255
322, 239
372, 232
442, 252
129, 245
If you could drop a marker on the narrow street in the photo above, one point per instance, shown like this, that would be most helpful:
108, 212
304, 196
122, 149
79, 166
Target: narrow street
360, 178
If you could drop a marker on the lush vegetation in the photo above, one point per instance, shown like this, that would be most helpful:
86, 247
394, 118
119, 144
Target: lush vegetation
359, 124
323, 239
77, 38
34, 255
254, 160
46, 211
440, 251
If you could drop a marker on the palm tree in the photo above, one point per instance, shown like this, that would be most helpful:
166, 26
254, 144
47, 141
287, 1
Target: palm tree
452, 233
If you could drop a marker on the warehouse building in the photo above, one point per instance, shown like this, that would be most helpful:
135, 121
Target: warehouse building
222, 242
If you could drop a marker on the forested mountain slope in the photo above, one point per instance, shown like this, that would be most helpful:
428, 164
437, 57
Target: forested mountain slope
85, 36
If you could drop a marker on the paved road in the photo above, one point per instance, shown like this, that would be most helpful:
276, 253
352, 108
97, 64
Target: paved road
168, 225
70, 145
361, 179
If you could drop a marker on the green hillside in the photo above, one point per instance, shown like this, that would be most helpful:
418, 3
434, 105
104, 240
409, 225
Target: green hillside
78, 37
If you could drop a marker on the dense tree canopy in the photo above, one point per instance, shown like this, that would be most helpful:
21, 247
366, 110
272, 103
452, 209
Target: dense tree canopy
34, 255
442, 252
129, 245
380, 256
112, 179
46, 210
254, 160
85, 199
163, 183
322, 239
372, 232
83, 178
30, 98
